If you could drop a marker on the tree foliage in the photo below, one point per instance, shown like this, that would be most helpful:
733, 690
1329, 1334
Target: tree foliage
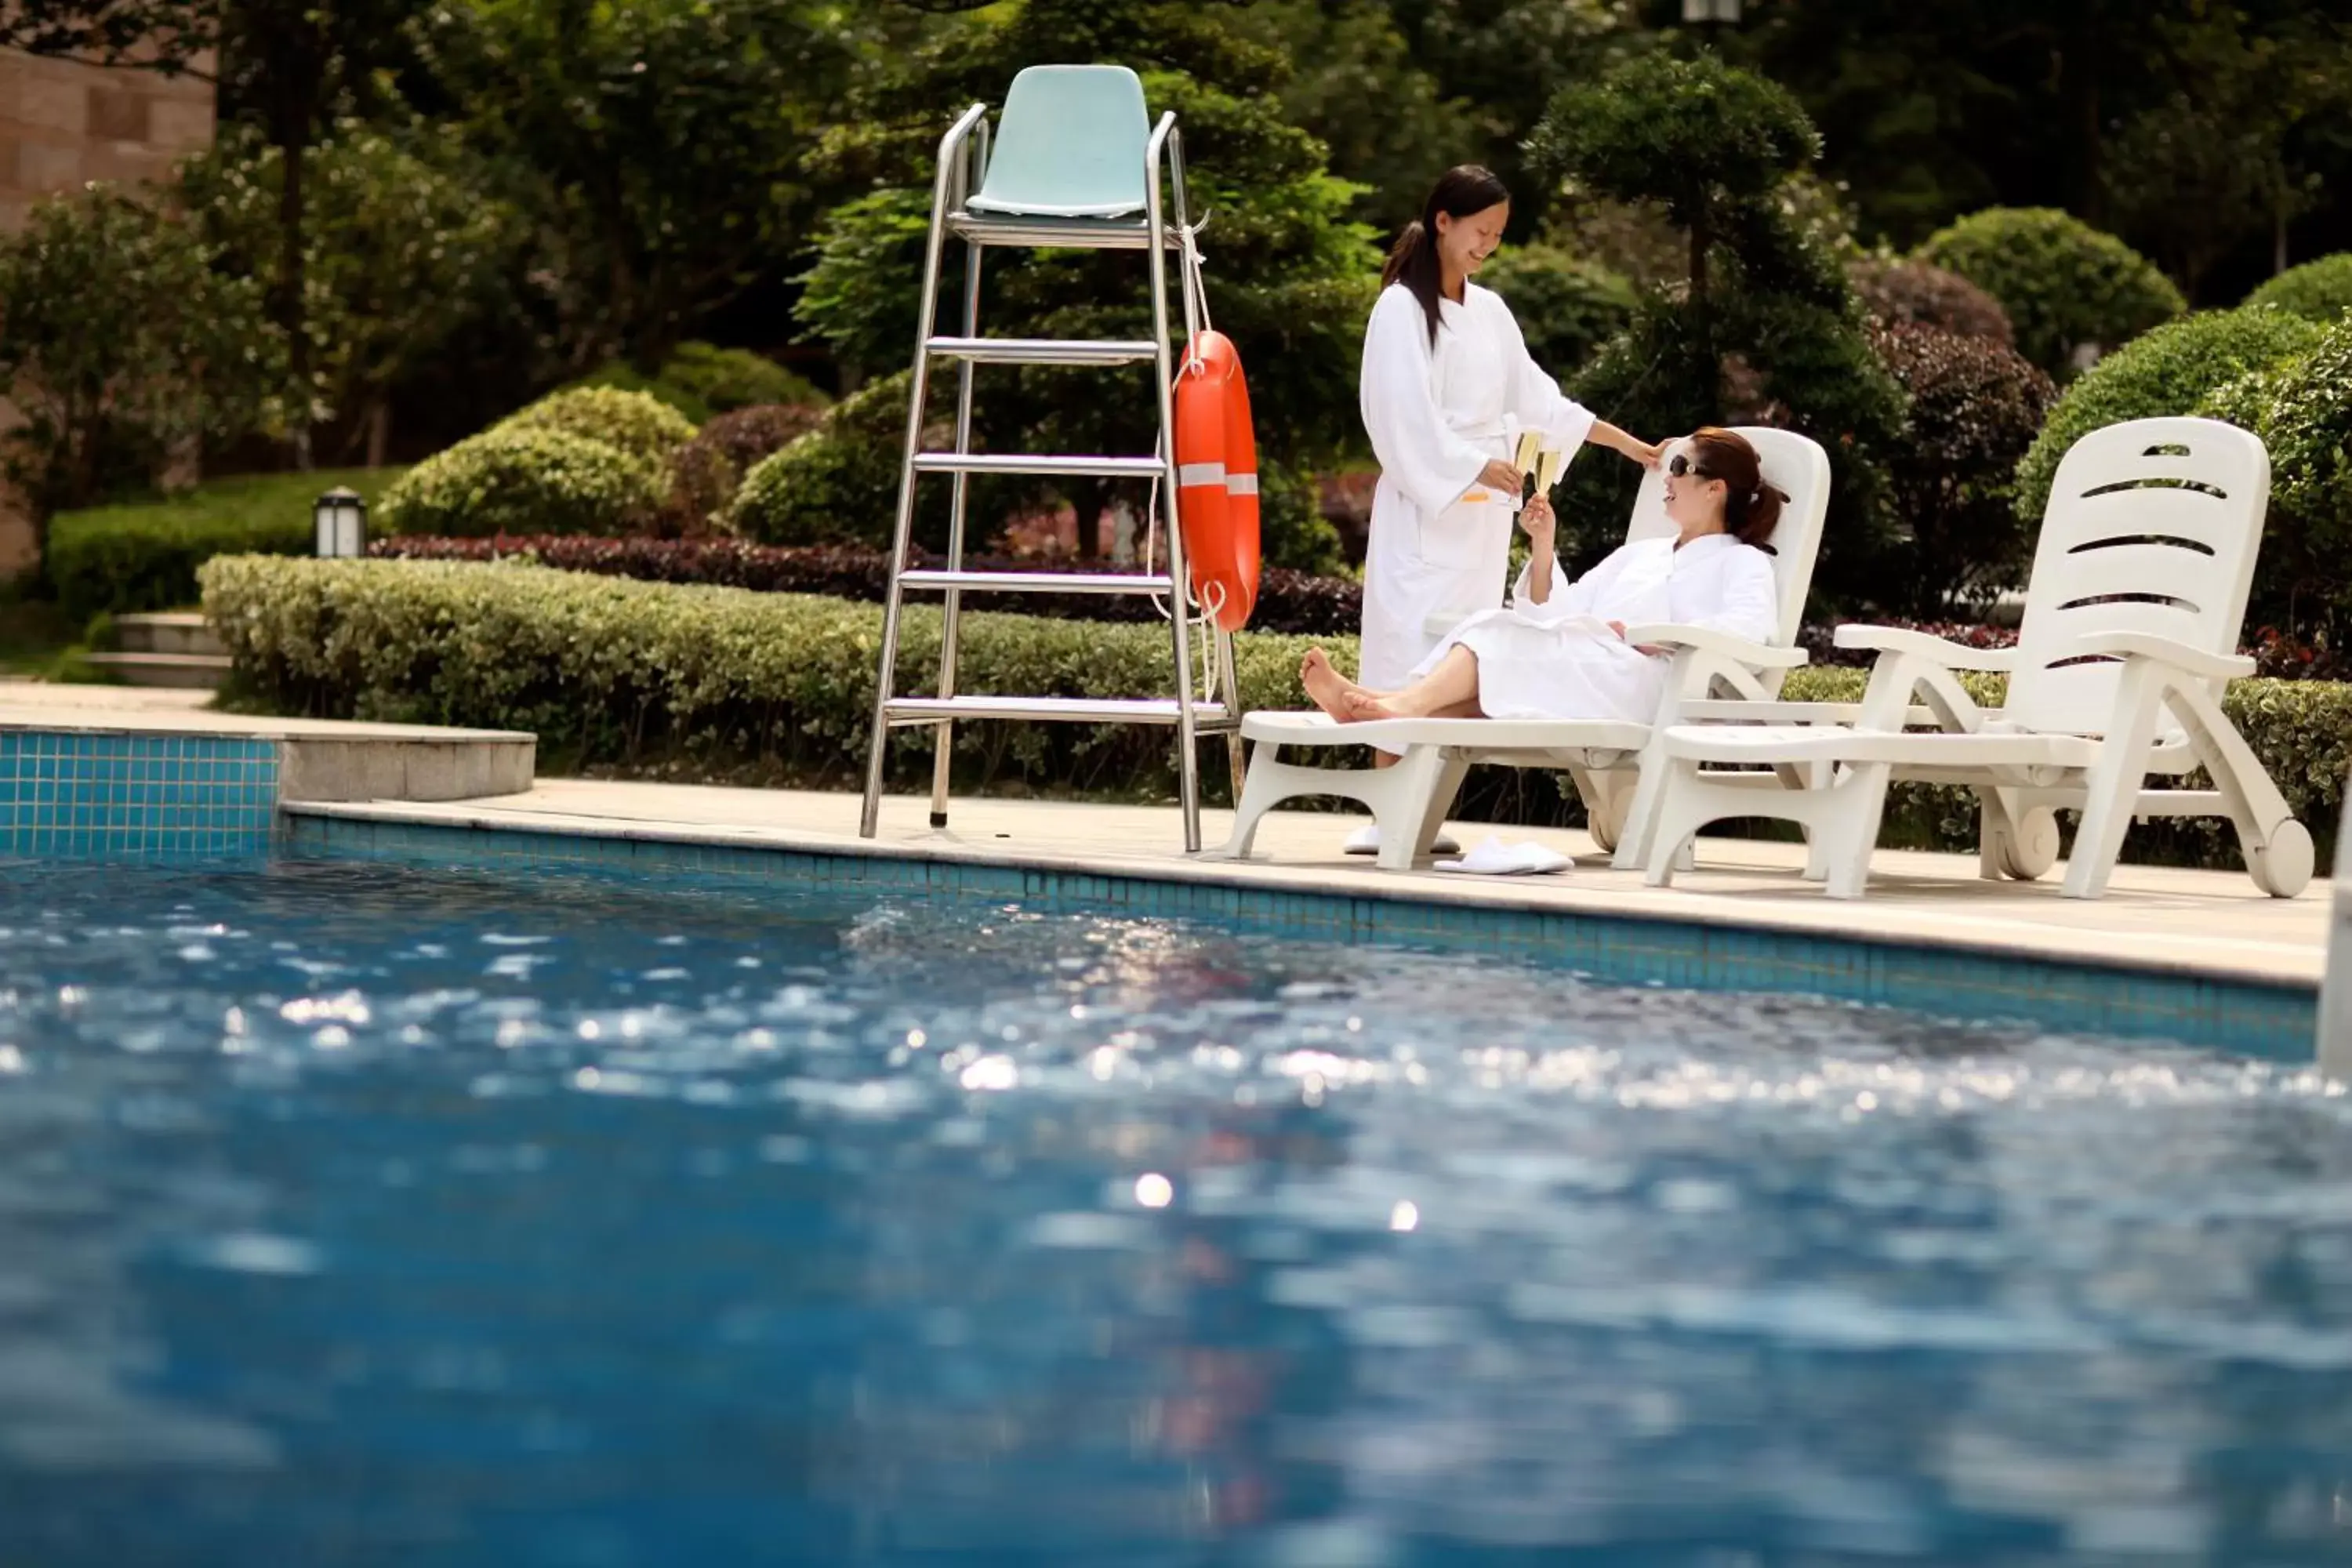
126, 344
2317, 291
1764, 329
667, 145
1974, 407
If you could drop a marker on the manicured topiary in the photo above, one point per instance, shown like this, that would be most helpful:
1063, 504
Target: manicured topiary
637, 423
707, 470
2065, 284
2170, 371
1902, 293
1567, 307
838, 484
1975, 406
523, 479
701, 381
2319, 290
2303, 581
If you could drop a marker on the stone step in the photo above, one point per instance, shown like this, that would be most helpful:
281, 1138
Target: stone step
178, 631
196, 671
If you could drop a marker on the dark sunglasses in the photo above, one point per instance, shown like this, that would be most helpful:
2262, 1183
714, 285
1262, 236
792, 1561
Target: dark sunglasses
1681, 466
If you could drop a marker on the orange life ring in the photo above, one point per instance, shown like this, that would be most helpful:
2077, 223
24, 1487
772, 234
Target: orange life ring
1216, 481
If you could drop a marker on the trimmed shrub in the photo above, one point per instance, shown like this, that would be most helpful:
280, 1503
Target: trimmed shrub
2317, 291
521, 479
701, 381
143, 556
1567, 307
646, 676
707, 471
2303, 581
1290, 601
1902, 293
2173, 370
2063, 283
636, 423
839, 483
1975, 407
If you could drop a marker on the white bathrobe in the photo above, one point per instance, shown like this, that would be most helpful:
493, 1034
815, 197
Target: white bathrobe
1441, 544
1557, 660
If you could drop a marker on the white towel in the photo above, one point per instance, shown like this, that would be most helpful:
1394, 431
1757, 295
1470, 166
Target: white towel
1497, 857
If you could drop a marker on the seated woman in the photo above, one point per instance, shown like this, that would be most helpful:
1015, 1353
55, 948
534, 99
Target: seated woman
1563, 654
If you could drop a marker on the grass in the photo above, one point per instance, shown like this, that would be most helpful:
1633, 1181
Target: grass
253, 500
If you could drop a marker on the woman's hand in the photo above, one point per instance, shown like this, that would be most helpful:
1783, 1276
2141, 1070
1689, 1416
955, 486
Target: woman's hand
1649, 453
1640, 647
1539, 522
1498, 475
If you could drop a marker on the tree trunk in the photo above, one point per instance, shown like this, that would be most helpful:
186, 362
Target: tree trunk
2278, 237
293, 145
2079, 70
379, 431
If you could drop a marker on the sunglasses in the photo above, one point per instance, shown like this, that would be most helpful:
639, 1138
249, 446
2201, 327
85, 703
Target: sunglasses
1682, 467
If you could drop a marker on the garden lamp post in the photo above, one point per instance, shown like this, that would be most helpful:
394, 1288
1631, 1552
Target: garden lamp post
1713, 15
338, 524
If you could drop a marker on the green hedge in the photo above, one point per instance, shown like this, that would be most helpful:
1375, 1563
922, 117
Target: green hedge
2173, 370
2063, 283
143, 556
1567, 306
654, 678
700, 380
2317, 291
515, 479
2303, 411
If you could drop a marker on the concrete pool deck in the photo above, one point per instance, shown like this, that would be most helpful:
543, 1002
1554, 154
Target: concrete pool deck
2197, 923
2210, 924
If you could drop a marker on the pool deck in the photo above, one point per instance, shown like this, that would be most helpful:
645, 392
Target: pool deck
2196, 922
2211, 923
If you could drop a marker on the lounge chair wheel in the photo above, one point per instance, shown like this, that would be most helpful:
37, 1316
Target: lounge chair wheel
2283, 869
2030, 855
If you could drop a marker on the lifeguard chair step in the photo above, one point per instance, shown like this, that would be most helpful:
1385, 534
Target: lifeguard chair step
1041, 581
1040, 465
1041, 350
1207, 717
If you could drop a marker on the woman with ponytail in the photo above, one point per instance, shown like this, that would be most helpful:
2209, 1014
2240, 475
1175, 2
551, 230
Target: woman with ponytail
1561, 652
1447, 375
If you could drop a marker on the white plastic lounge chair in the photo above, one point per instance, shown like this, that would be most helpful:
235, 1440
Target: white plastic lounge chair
2132, 614
1410, 799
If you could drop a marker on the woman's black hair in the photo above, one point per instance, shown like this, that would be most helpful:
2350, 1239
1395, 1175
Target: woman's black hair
1461, 191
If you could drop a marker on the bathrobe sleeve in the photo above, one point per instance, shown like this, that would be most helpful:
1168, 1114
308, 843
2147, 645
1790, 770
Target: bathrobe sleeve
1749, 606
1417, 449
1568, 599
1535, 396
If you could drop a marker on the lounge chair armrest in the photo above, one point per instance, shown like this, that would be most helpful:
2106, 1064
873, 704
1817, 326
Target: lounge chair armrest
1756, 655
1951, 655
2163, 651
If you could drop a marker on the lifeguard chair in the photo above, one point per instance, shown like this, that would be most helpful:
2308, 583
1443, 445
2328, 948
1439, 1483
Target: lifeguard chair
1077, 164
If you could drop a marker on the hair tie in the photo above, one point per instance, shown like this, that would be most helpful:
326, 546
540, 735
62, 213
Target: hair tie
1755, 495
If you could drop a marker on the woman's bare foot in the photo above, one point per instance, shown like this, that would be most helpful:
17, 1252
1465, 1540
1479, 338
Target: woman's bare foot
1364, 705
1325, 686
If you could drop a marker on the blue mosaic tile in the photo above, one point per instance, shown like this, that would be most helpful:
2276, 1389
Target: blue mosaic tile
104, 795
2273, 1021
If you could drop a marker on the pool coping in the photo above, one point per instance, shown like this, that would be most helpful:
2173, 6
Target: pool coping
1975, 936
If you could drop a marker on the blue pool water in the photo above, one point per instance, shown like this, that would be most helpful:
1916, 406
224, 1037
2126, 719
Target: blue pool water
351, 1214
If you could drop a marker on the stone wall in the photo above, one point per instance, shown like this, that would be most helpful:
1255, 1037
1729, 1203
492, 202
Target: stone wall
63, 123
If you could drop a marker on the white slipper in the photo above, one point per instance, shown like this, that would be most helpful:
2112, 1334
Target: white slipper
1366, 840
1495, 857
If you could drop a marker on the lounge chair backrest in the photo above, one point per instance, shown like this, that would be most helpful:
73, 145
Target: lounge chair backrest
1798, 466
1070, 143
2152, 526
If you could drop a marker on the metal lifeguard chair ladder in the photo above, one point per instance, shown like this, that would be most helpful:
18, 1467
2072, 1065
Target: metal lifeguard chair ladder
1078, 165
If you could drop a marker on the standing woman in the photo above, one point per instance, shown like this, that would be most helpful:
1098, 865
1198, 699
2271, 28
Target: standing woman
1444, 365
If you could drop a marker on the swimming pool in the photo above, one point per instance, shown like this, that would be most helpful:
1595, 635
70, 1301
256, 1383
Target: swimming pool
355, 1212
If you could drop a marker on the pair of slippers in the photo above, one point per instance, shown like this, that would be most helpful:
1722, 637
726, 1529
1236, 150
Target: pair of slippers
1494, 857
